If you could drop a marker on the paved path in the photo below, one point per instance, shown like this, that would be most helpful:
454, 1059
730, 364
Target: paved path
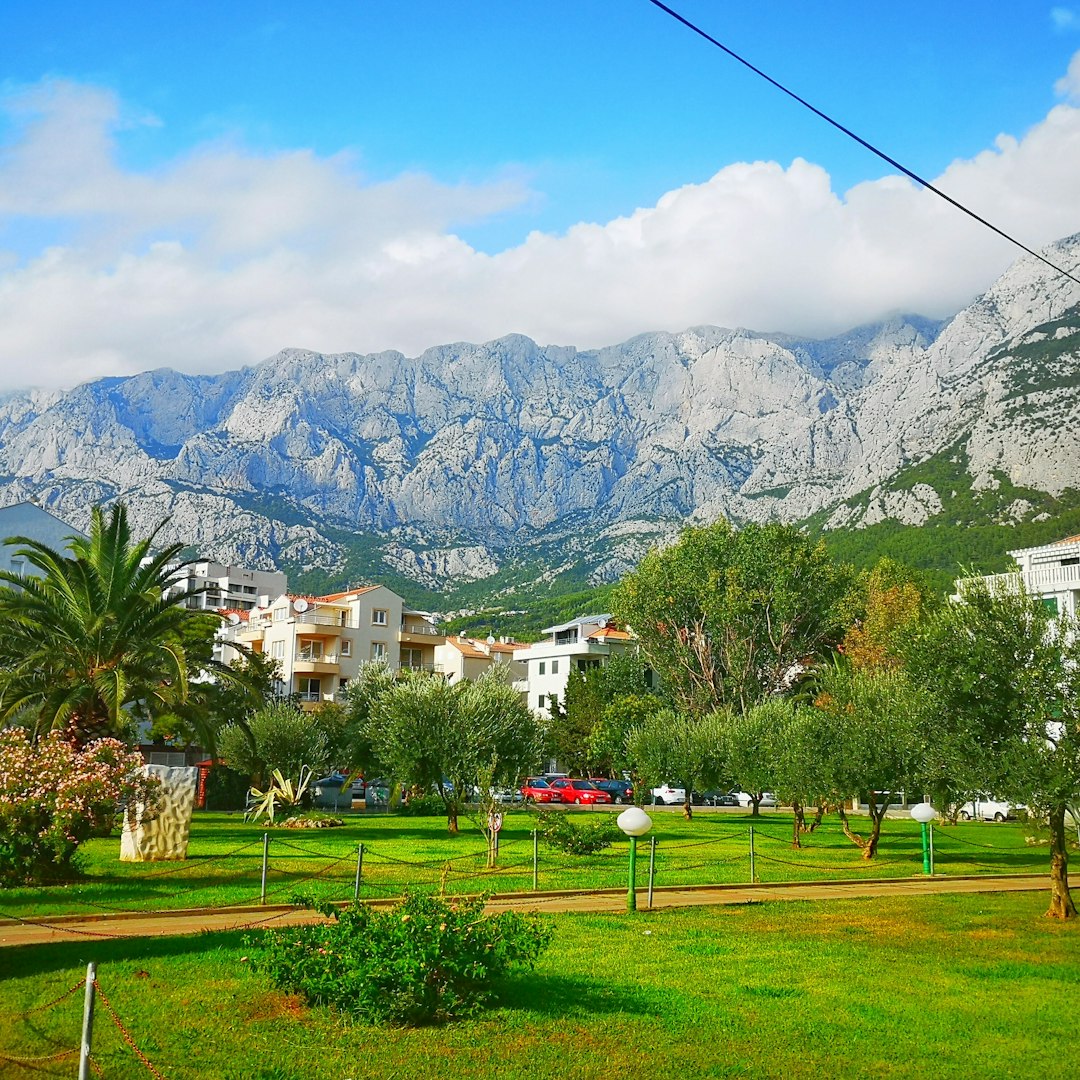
37, 931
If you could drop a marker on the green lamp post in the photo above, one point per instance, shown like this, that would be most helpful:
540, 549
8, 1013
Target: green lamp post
924, 813
634, 822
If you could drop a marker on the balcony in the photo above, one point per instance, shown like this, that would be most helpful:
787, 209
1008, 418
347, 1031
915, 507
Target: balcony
324, 665
421, 634
1043, 579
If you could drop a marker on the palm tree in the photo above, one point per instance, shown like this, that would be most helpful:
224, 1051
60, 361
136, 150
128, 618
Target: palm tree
96, 641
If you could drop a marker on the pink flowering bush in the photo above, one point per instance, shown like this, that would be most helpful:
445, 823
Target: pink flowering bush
53, 796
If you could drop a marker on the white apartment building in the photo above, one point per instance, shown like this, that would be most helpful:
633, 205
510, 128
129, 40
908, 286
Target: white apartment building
581, 644
231, 587
1051, 572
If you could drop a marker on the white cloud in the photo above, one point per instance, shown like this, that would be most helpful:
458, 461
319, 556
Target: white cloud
1064, 18
223, 257
1068, 86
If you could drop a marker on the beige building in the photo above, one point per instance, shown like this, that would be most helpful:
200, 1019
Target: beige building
321, 642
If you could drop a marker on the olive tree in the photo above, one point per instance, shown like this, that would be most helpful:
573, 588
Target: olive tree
728, 617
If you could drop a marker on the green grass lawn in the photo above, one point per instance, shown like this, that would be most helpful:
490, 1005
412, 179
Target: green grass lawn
947, 986
225, 858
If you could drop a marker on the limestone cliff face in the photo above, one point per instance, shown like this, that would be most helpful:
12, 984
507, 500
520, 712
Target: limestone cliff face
458, 454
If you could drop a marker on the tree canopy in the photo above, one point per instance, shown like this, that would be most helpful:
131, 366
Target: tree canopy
726, 617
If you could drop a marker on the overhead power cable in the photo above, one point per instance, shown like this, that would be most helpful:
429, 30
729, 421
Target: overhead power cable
861, 141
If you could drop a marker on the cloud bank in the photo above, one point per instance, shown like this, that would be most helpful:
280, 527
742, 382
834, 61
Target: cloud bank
223, 256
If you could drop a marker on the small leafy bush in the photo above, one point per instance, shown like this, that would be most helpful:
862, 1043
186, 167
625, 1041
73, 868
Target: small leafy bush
226, 789
560, 832
423, 961
428, 805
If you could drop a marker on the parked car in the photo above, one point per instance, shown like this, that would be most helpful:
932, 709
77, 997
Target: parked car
990, 810
537, 789
665, 795
584, 792
621, 791
716, 797
743, 798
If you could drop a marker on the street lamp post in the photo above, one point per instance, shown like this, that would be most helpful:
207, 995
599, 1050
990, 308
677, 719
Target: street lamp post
924, 813
634, 822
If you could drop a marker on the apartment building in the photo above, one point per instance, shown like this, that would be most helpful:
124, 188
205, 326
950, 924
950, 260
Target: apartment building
1051, 571
234, 588
583, 643
321, 642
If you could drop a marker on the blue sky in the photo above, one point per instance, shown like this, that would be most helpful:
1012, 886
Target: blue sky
197, 185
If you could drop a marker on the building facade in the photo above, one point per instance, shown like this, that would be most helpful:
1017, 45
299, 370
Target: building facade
234, 588
29, 520
581, 644
1051, 571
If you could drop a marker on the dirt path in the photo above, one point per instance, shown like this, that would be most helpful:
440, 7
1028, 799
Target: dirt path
36, 931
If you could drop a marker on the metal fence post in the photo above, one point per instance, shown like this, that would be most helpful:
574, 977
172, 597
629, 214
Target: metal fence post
536, 858
652, 866
359, 868
931, 849
87, 1022
753, 875
266, 855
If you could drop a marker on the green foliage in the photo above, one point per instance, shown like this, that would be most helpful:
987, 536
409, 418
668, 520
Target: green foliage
724, 615
90, 644
426, 805
594, 834
424, 961
609, 738
432, 734
226, 789
674, 748
279, 736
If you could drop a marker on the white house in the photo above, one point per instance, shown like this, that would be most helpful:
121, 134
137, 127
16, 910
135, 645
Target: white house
584, 643
232, 587
1051, 571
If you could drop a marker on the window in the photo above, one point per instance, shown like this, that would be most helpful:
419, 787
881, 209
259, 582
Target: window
1051, 604
277, 650
540, 701
543, 667
378, 650
379, 616
412, 659
281, 614
346, 647
554, 667
309, 689
18, 565
310, 649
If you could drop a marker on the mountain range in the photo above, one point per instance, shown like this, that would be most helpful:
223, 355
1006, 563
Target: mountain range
454, 466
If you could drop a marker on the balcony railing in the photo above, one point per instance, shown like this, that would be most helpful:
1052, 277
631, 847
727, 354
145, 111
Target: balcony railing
425, 629
1042, 579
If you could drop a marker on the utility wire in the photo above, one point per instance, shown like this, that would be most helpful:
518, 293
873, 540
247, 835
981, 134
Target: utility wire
862, 142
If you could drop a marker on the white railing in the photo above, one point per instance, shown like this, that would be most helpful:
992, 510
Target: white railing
422, 628
1044, 579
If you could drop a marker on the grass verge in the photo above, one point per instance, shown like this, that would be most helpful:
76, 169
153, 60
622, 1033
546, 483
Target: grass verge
949, 986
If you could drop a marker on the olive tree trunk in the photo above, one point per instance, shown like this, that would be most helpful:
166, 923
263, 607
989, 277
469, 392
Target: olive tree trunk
1061, 901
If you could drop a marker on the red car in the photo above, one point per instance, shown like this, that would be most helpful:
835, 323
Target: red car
580, 791
537, 789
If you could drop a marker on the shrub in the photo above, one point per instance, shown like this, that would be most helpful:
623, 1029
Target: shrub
427, 805
53, 796
423, 961
226, 789
562, 834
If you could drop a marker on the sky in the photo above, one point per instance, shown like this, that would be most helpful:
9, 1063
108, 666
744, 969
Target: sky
197, 185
